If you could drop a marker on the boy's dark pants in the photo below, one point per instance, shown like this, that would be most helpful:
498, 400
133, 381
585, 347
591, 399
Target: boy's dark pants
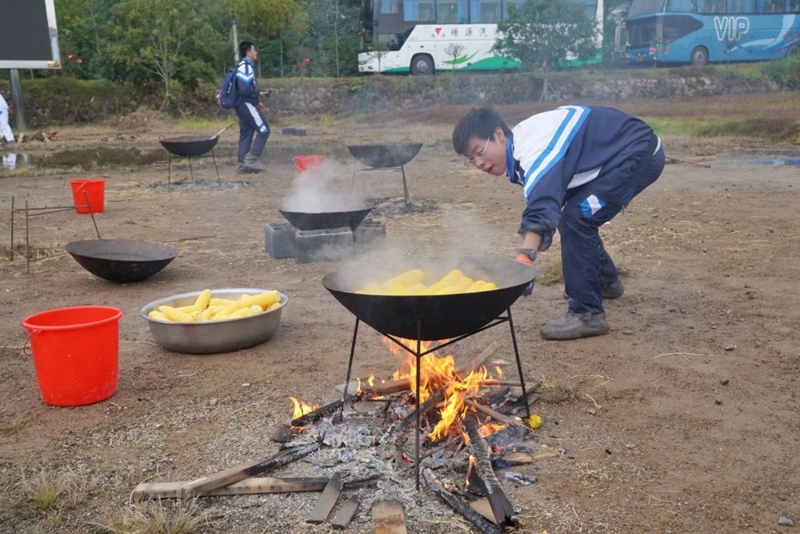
251, 120
586, 264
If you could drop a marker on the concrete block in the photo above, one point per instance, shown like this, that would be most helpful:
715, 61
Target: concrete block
280, 240
331, 244
300, 132
369, 233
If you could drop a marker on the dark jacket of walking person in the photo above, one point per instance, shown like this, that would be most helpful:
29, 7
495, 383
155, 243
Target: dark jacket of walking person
578, 166
250, 112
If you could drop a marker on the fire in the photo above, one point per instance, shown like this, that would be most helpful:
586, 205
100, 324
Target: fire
301, 408
440, 373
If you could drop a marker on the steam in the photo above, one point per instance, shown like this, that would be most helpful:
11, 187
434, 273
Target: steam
327, 188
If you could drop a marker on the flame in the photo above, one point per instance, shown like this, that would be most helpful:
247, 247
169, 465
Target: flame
440, 373
301, 408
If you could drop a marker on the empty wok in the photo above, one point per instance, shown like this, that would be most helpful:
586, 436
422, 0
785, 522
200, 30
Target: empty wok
191, 145
326, 219
385, 155
121, 260
439, 316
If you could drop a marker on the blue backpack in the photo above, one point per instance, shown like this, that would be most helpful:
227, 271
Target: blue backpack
228, 96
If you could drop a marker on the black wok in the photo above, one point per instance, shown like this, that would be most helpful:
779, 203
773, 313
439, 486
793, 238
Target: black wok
385, 155
326, 219
121, 260
440, 316
191, 145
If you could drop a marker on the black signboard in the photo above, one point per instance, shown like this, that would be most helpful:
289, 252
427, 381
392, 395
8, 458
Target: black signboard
28, 34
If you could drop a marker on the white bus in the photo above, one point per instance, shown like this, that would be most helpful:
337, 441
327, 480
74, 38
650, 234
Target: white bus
423, 36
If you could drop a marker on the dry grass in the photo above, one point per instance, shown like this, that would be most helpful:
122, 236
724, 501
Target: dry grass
559, 390
46, 495
552, 273
153, 517
13, 428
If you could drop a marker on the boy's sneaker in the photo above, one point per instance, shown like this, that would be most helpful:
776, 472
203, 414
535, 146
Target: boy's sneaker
575, 325
614, 291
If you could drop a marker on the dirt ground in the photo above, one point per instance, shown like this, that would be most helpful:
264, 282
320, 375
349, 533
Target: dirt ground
684, 418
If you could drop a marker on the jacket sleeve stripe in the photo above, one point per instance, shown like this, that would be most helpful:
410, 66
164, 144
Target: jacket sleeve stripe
557, 147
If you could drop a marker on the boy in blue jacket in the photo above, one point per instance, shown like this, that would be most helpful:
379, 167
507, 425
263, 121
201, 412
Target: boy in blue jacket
250, 112
578, 167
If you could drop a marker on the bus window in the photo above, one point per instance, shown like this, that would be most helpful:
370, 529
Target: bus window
680, 6
677, 26
741, 6
794, 6
644, 7
452, 12
590, 7
487, 11
390, 7
641, 33
507, 3
418, 11
711, 6
394, 40
774, 6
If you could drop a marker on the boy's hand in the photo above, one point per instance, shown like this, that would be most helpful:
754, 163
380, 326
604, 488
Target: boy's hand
522, 258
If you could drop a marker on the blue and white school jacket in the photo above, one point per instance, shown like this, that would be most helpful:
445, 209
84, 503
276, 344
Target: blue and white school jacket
246, 82
553, 154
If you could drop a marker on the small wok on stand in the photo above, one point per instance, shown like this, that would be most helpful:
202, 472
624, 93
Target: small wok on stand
433, 318
191, 146
386, 156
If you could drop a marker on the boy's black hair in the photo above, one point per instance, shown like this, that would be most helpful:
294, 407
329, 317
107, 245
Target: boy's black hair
244, 48
480, 123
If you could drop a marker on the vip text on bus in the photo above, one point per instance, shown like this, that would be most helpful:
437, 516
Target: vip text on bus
423, 36
699, 32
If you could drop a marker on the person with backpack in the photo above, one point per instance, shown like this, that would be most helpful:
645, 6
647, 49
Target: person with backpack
250, 112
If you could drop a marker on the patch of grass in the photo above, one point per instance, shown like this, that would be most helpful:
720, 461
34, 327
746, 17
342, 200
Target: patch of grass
50, 492
152, 517
552, 274
15, 427
195, 123
775, 129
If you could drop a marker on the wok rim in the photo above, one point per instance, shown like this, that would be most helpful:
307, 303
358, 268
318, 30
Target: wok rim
172, 251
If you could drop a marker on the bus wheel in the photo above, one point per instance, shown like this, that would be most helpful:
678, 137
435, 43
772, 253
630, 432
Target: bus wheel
794, 50
699, 56
421, 64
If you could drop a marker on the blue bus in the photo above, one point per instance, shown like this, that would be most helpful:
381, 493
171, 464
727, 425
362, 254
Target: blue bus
699, 32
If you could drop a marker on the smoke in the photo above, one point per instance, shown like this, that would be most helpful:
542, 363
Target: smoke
327, 188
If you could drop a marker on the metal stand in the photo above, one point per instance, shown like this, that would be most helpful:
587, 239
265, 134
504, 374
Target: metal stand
418, 355
191, 171
41, 211
402, 171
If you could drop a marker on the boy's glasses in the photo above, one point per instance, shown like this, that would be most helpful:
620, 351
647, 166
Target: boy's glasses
479, 154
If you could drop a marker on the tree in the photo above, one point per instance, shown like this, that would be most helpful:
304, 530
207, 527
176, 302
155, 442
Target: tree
454, 50
543, 34
263, 19
166, 39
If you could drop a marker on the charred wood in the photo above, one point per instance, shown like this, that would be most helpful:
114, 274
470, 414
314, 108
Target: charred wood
501, 507
484, 526
324, 411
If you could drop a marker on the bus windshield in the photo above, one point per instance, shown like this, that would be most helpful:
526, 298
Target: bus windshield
645, 7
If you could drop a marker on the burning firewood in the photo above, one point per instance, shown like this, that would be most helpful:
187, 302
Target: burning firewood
501, 507
323, 411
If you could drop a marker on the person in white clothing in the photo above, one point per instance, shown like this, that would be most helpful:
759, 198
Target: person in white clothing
5, 129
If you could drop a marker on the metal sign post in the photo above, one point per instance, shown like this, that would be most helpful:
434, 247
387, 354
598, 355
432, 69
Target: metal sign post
16, 97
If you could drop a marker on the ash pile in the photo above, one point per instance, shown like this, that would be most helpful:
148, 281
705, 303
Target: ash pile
374, 458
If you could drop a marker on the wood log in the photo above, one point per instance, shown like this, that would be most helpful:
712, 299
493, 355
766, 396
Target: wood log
399, 426
326, 501
483, 507
502, 508
248, 486
497, 416
484, 526
388, 518
242, 471
345, 513
323, 411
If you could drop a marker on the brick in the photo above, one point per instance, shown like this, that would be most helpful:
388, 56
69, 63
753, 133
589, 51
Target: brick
332, 244
280, 240
368, 234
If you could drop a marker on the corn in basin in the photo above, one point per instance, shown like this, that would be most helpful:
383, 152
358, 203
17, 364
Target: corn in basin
206, 308
411, 283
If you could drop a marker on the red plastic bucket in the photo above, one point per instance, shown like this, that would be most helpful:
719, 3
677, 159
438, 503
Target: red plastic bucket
75, 353
95, 189
306, 163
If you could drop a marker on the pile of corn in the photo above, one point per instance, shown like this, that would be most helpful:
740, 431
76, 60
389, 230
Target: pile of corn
207, 308
410, 284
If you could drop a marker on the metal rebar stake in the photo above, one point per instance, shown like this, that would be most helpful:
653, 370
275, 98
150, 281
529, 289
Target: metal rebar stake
405, 186
213, 157
91, 214
11, 249
27, 241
